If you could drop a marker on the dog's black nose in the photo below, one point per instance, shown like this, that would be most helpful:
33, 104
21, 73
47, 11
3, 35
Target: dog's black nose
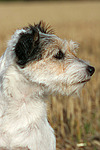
90, 70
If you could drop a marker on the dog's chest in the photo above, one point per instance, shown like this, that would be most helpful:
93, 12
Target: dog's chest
27, 126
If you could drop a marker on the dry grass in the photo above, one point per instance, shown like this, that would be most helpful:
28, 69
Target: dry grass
74, 119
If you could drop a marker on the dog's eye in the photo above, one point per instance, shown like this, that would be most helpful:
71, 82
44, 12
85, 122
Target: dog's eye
60, 55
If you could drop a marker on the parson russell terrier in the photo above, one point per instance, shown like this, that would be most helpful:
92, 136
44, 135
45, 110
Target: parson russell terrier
35, 64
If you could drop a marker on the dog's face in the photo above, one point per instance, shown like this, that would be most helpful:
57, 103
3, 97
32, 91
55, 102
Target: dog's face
47, 60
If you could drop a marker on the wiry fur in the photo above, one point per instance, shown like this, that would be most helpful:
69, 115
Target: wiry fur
36, 63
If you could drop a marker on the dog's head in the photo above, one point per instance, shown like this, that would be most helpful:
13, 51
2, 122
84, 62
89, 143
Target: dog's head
45, 59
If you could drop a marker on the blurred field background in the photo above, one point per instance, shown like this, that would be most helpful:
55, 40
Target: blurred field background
76, 120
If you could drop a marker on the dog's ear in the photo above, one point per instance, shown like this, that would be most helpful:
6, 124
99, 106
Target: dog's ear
27, 47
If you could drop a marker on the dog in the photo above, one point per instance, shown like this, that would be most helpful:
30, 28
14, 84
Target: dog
36, 64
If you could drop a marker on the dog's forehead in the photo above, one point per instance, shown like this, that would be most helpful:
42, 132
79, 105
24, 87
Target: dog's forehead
53, 40
54, 44
51, 44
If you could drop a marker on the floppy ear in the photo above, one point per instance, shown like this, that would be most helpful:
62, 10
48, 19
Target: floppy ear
27, 47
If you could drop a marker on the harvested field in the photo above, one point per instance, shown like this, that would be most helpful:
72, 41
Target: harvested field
74, 119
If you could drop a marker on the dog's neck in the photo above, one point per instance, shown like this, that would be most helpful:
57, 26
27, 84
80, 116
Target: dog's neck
17, 87
18, 92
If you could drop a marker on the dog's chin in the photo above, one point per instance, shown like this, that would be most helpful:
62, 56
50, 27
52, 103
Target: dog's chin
77, 87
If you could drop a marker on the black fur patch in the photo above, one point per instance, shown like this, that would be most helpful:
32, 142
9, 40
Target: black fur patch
27, 48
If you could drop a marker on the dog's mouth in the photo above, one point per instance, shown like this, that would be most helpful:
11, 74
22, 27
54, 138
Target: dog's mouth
77, 83
80, 82
84, 81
